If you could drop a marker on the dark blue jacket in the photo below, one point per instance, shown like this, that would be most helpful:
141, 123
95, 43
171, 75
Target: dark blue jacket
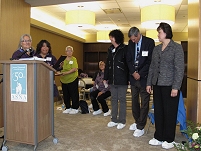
147, 44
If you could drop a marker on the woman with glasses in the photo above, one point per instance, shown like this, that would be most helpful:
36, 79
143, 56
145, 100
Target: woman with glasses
25, 49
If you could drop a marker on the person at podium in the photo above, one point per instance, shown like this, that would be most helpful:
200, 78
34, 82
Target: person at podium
69, 81
25, 49
43, 50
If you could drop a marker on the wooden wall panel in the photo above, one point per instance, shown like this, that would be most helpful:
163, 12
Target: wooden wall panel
192, 97
14, 22
193, 39
194, 62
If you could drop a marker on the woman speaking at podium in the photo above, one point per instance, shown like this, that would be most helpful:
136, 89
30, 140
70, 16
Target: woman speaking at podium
24, 48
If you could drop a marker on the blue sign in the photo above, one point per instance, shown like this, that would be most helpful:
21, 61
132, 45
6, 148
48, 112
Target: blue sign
18, 82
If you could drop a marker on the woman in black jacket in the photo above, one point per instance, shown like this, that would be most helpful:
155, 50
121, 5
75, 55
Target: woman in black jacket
116, 72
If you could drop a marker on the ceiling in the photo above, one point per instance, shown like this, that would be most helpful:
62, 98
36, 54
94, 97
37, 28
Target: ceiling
128, 17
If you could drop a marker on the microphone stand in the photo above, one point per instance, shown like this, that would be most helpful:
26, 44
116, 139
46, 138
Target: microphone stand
23, 53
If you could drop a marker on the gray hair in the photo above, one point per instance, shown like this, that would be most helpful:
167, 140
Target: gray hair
69, 47
133, 31
22, 38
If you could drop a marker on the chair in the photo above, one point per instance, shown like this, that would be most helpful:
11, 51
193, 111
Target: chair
89, 84
151, 117
82, 89
60, 98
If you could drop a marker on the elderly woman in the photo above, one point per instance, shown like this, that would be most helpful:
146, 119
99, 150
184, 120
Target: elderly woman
69, 81
165, 75
24, 48
116, 72
43, 50
100, 93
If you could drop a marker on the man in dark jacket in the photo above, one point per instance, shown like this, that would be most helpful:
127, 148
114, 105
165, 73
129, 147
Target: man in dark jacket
116, 72
139, 59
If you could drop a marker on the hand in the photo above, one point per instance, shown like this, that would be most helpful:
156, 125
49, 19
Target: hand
174, 93
58, 73
105, 83
148, 88
61, 64
136, 76
100, 93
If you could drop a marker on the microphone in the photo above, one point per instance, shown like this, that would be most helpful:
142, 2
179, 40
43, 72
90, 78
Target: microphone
31, 52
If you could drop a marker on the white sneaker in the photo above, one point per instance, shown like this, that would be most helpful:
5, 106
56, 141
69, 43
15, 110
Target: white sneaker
133, 127
73, 111
120, 126
138, 132
112, 124
107, 113
97, 112
67, 110
167, 145
155, 142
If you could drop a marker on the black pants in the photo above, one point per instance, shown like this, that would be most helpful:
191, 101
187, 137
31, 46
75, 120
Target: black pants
70, 91
140, 112
165, 113
100, 99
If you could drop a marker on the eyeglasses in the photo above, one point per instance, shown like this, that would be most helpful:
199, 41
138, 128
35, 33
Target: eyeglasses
26, 40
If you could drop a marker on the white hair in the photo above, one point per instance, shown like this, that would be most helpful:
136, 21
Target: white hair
69, 47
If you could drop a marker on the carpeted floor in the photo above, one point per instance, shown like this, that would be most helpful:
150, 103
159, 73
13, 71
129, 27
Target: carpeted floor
85, 132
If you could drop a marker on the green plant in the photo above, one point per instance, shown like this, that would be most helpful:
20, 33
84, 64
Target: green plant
193, 132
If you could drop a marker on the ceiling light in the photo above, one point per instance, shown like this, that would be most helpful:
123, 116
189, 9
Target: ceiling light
153, 15
152, 34
80, 18
103, 36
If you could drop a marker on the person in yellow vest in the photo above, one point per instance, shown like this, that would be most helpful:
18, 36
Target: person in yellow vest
69, 81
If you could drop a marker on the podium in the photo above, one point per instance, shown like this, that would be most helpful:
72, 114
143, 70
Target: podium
28, 102
1, 101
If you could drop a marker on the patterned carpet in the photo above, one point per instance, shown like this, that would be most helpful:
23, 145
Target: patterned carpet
85, 132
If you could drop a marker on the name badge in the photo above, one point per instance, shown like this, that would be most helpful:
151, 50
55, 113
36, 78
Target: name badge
49, 59
70, 62
144, 53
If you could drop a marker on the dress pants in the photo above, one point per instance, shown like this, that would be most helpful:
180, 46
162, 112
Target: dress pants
140, 111
165, 113
70, 91
118, 94
100, 99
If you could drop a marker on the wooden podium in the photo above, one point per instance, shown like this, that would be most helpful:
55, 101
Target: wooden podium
32, 121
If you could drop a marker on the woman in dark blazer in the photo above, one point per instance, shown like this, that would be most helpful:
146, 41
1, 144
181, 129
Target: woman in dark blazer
165, 75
